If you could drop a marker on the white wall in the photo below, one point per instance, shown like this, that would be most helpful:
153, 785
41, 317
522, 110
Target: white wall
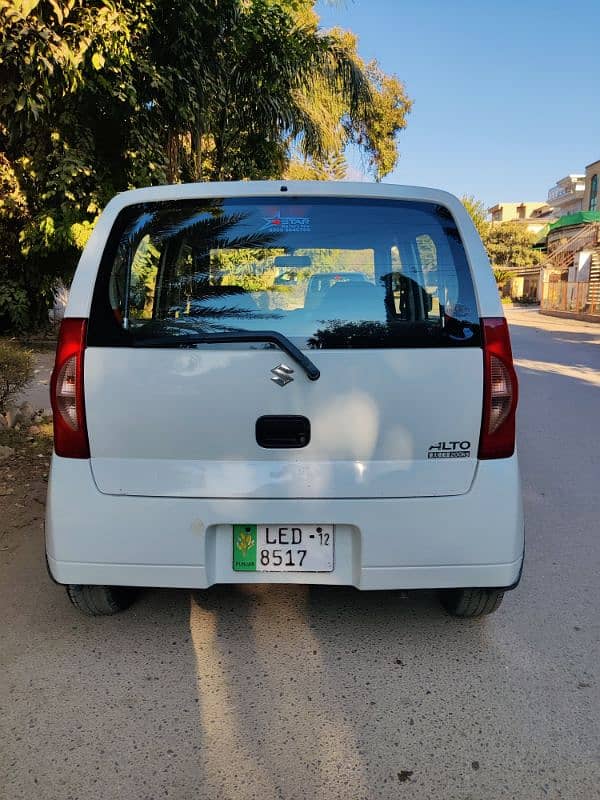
582, 263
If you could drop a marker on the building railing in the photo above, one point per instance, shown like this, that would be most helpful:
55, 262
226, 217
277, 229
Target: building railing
568, 296
557, 192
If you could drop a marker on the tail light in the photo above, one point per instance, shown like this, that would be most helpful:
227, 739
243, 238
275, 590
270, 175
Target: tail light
66, 391
500, 391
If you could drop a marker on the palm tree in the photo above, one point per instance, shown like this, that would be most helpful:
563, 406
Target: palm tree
247, 69
503, 276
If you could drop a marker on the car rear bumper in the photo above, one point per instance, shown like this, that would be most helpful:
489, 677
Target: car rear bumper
475, 539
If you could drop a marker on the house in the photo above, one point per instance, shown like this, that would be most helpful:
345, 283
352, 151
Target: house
570, 276
591, 201
534, 215
566, 196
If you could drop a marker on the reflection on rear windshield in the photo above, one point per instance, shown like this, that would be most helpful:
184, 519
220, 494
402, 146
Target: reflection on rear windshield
323, 272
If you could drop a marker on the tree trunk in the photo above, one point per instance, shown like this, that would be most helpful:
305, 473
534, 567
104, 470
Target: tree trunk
220, 147
172, 157
197, 149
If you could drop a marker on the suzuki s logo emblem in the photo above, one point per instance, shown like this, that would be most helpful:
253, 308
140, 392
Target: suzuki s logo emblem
282, 375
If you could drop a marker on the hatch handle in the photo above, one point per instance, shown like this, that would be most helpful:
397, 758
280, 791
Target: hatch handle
282, 431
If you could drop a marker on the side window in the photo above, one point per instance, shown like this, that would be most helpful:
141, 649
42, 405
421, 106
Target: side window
412, 282
440, 275
396, 259
131, 289
144, 269
428, 257
178, 292
117, 287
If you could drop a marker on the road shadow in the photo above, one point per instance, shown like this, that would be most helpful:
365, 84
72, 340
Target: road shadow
315, 690
582, 373
554, 330
564, 350
97, 707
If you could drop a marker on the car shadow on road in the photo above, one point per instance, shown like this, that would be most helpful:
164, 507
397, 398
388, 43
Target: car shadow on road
293, 681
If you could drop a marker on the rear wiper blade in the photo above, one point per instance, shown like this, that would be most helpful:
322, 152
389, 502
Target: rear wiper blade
272, 337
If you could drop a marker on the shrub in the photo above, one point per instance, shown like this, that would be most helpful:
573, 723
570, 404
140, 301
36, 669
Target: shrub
526, 301
16, 370
14, 306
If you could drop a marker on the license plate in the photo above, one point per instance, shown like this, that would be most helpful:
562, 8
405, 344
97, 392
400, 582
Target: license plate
283, 548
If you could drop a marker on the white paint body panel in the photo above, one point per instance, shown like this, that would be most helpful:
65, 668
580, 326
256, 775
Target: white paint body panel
175, 463
474, 539
173, 423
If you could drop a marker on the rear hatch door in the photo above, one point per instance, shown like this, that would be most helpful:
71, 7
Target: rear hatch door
393, 331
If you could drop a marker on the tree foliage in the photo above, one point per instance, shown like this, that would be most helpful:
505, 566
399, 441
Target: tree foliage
98, 96
331, 168
477, 212
67, 90
502, 276
509, 244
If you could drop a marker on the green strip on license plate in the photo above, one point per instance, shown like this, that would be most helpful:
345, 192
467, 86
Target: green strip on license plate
244, 547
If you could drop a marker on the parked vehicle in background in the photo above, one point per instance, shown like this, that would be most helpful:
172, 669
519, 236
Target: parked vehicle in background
357, 428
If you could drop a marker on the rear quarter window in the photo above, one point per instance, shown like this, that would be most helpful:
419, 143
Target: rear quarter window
324, 272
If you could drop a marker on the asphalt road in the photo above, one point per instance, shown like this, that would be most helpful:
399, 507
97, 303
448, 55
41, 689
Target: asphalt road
295, 693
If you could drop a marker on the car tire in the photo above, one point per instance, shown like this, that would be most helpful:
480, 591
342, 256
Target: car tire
100, 601
470, 603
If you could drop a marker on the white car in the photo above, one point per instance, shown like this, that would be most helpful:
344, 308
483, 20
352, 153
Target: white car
210, 428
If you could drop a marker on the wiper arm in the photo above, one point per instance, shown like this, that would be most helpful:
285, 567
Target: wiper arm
273, 337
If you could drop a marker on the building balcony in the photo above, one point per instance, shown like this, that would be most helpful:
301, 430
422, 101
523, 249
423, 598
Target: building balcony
561, 195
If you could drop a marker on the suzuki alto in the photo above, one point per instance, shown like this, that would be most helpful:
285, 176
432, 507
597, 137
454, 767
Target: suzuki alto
354, 425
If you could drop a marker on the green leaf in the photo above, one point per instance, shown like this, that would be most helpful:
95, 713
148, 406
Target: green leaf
27, 6
57, 10
97, 61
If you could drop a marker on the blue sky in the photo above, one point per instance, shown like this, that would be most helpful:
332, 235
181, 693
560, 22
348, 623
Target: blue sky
506, 97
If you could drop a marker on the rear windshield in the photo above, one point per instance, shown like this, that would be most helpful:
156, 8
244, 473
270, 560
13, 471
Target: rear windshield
324, 272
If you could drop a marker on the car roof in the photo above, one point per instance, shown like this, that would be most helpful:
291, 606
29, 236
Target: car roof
226, 189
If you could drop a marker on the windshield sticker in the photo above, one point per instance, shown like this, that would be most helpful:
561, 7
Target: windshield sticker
286, 224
